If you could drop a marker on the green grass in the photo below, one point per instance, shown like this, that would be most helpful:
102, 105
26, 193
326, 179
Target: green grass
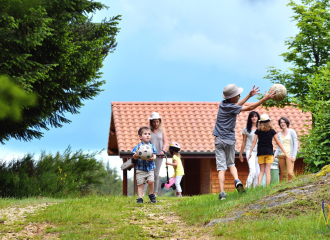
94, 217
115, 217
275, 227
204, 208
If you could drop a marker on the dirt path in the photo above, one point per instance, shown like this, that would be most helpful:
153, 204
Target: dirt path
12, 219
159, 222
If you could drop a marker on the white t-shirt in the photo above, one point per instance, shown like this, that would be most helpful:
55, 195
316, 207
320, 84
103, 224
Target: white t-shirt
249, 139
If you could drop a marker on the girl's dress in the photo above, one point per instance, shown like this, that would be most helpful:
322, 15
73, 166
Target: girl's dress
254, 168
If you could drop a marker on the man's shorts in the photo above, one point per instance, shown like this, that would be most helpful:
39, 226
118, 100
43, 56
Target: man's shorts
225, 155
265, 159
142, 176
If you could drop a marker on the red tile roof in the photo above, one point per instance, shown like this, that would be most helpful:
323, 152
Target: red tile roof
188, 123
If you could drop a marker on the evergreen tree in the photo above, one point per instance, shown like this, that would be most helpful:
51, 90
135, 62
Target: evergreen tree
53, 49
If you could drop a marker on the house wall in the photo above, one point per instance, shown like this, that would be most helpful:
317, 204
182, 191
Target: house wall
201, 176
205, 176
243, 172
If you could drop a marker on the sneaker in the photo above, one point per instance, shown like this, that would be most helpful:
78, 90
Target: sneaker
152, 198
222, 196
139, 200
162, 185
239, 186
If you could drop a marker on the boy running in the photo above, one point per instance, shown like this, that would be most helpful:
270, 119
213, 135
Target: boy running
224, 132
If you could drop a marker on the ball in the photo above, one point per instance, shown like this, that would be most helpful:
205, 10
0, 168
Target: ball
145, 152
280, 92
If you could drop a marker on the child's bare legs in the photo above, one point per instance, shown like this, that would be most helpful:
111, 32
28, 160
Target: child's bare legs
233, 171
140, 188
221, 176
262, 172
151, 187
267, 170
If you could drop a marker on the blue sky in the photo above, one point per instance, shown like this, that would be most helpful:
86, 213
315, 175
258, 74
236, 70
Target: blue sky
174, 51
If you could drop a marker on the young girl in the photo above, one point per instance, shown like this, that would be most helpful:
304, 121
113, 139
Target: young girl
264, 134
177, 164
248, 136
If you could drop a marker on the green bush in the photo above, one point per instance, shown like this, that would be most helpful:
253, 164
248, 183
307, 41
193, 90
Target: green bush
111, 183
67, 174
316, 144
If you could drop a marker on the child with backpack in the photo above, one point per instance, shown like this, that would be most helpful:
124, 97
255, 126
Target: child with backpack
264, 135
177, 165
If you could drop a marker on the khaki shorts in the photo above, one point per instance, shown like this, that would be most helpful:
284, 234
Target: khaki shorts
142, 177
224, 155
265, 159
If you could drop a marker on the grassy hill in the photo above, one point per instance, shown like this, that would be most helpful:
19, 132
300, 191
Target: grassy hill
283, 211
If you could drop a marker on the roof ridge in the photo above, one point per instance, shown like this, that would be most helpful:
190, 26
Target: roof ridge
168, 102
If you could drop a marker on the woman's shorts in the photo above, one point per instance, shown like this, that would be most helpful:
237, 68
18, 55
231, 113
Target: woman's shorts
142, 176
265, 159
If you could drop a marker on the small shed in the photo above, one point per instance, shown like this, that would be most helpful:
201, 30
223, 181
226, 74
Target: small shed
191, 124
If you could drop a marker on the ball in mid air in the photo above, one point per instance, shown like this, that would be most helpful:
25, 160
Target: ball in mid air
145, 152
280, 92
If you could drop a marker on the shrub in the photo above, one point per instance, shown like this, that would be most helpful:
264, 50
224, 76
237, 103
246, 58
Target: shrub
315, 146
70, 173
111, 183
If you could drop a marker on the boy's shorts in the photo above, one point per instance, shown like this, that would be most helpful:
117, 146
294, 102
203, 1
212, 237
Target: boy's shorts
265, 159
142, 176
225, 155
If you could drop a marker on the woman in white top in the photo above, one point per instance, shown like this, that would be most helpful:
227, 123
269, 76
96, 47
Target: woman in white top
288, 138
248, 136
